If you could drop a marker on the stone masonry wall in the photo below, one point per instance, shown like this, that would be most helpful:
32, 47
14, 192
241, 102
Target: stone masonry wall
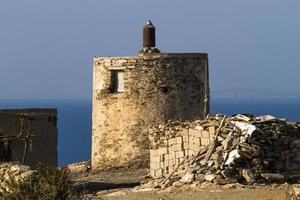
157, 87
42, 147
187, 142
225, 149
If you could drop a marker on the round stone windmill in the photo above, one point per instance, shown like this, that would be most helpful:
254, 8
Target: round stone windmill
133, 93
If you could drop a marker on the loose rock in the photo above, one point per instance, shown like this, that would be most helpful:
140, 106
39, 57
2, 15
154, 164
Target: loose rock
226, 150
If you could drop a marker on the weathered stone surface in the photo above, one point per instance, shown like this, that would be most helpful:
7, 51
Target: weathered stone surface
248, 175
247, 149
188, 178
177, 184
157, 88
210, 177
272, 176
80, 166
200, 177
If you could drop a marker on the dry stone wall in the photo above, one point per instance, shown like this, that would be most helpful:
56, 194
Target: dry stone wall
222, 149
156, 87
165, 157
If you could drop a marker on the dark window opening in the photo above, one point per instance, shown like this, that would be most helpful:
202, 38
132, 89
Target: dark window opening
117, 81
5, 152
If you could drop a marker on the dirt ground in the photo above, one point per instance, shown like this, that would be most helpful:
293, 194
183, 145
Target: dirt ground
125, 184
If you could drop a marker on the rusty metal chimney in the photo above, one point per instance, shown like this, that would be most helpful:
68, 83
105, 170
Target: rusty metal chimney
149, 35
149, 39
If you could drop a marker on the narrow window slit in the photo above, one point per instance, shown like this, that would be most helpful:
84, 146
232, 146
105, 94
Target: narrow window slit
117, 81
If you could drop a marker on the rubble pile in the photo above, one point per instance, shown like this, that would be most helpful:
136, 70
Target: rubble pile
244, 149
11, 173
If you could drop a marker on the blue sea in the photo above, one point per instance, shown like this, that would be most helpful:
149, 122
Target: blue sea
74, 120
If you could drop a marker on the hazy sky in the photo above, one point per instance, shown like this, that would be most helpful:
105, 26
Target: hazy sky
47, 47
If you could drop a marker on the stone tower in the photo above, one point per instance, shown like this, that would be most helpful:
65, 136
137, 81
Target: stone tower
133, 93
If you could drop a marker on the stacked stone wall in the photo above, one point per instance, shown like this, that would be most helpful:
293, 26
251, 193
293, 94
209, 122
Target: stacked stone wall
173, 151
223, 149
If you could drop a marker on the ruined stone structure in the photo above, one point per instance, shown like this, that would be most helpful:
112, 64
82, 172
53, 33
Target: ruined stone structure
222, 149
132, 94
188, 141
28, 136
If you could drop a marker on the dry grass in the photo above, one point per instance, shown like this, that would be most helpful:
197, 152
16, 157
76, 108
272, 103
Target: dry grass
48, 183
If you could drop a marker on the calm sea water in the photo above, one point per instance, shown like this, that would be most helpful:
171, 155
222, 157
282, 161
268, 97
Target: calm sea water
278, 108
74, 120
